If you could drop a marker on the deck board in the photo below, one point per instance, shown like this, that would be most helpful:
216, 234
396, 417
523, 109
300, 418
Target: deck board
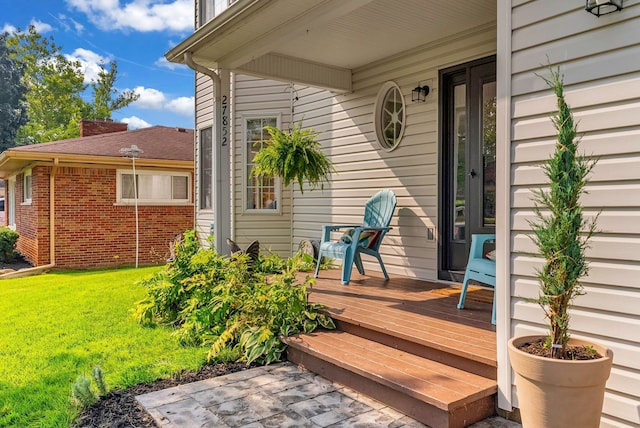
431, 382
408, 308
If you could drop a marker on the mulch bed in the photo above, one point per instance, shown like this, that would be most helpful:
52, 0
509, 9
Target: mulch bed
119, 408
17, 263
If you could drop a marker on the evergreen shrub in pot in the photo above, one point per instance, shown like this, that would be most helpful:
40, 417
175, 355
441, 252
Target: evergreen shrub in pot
561, 380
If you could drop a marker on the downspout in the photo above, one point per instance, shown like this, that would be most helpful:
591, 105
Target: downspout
201, 69
52, 215
220, 229
217, 85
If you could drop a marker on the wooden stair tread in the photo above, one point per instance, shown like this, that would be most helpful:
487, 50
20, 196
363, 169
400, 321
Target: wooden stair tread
439, 385
437, 336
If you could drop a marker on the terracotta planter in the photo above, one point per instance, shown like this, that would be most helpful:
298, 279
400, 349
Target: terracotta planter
559, 393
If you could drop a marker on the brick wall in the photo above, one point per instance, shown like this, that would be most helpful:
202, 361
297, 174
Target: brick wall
31, 222
100, 126
91, 231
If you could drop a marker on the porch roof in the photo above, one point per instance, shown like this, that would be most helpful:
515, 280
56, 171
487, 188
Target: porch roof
321, 42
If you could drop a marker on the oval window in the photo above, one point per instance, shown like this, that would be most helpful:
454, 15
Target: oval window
389, 116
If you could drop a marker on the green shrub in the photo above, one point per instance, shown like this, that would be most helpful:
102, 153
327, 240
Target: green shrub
8, 240
83, 393
218, 301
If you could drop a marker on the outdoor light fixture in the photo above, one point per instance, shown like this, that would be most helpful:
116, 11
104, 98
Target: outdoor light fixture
603, 7
420, 93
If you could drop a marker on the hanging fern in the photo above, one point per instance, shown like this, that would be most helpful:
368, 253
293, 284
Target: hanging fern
293, 156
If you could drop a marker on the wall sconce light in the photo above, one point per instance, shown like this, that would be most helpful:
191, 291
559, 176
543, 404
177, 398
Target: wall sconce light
420, 93
603, 7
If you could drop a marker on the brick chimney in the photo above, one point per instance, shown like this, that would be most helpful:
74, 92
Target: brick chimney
100, 126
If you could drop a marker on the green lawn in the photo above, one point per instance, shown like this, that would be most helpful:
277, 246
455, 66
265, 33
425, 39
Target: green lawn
56, 326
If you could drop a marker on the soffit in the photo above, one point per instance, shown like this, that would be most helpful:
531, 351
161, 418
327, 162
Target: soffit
336, 34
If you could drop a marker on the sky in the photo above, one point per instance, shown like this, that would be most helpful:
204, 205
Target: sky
135, 33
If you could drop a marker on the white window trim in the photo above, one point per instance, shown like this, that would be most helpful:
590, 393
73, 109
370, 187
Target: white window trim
10, 203
245, 156
142, 201
25, 200
199, 168
382, 93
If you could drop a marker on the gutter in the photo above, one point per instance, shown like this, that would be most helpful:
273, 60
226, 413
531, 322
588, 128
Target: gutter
224, 22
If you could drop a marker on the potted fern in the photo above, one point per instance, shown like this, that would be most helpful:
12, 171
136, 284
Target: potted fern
561, 380
294, 156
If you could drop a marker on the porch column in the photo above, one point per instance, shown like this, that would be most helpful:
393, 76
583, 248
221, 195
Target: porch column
221, 164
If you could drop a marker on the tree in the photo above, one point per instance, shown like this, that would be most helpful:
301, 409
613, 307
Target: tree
13, 108
106, 98
56, 89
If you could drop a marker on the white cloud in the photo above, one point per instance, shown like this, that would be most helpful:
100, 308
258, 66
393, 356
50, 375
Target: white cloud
8, 28
89, 61
138, 15
67, 23
135, 122
154, 99
183, 106
163, 63
149, 98
41, 27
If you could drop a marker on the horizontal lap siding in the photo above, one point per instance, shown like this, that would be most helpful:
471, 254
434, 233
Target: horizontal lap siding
362, 168
204, 119
259, 97
600, 60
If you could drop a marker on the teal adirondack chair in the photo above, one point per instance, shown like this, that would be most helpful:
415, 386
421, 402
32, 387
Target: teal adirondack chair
480, 268
365, 238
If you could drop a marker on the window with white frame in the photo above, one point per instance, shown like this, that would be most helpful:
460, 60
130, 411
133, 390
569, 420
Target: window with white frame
261, 193
208, 9
206, 12
205, 168
154, 187
27, 187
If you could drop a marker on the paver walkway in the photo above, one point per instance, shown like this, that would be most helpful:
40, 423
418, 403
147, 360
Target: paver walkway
279, 396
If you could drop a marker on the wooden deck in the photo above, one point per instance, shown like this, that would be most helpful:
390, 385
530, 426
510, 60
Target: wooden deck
404, 342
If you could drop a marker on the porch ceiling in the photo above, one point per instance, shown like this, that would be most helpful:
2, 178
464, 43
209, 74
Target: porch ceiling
321, 42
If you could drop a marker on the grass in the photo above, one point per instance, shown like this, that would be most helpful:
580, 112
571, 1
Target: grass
54, 327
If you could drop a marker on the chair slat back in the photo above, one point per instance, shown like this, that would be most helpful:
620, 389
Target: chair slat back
379, 209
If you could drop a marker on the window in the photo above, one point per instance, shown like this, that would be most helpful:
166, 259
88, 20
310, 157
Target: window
262, 193
206, 12
154, 187
27, 186
10, 205
206, 168
389, 116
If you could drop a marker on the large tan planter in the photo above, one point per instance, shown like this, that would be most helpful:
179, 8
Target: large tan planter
559, 393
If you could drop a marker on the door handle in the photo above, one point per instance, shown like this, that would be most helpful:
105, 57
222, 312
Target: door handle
472, 173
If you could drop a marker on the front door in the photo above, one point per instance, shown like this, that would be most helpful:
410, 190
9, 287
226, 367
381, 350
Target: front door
468, 161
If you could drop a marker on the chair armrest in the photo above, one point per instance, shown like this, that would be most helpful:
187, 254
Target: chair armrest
328, 228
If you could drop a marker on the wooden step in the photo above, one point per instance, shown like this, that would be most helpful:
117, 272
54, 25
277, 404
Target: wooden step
431, 392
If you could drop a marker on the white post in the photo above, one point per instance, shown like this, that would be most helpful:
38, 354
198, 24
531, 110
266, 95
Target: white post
221, 165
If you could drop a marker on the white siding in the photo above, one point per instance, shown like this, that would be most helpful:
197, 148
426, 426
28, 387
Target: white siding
411, 171
259, 97
600, 59
204, 119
